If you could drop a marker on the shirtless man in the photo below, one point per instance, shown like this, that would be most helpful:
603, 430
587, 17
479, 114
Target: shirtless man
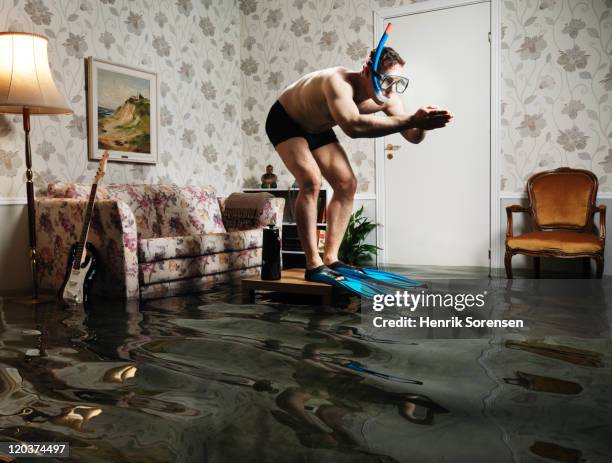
299, 125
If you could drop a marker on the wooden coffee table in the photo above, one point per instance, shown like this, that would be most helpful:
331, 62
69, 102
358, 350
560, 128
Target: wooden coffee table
292, 281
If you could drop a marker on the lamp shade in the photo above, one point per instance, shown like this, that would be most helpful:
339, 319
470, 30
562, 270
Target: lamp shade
25, 76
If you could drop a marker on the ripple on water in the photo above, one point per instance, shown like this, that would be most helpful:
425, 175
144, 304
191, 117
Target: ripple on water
190, 379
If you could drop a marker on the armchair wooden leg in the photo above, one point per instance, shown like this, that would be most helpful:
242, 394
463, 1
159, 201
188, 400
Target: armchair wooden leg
508, 264
586, 267
600, 266
536, 266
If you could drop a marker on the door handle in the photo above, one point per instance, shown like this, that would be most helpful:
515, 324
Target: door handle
391, 147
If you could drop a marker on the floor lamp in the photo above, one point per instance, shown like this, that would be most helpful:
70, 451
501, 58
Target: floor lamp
27, 88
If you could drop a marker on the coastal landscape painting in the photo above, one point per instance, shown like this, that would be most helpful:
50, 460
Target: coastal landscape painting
122, 112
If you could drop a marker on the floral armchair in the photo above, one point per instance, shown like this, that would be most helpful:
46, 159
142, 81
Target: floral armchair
152, 240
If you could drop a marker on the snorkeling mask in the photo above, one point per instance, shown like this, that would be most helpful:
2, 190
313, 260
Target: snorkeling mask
384, 81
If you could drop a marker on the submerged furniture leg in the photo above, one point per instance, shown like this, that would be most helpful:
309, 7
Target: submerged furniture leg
600, 266
586, 267
508, 264
536, 266
248, 296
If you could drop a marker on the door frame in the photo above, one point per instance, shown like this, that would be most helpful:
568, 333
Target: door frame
385, 14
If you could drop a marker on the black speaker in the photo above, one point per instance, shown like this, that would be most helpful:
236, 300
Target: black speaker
271, 254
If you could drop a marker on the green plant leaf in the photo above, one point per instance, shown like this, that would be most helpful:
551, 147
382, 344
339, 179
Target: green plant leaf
353, 249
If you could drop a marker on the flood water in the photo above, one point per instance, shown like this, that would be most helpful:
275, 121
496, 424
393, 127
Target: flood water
204, 379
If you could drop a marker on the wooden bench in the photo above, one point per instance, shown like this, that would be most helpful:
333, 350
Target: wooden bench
292, 281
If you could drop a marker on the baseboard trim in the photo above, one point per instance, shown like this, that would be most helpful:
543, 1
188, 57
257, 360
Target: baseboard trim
13, 201
365, 196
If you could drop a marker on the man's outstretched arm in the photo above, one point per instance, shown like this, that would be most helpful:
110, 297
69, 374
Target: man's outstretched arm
396, 108
339, 95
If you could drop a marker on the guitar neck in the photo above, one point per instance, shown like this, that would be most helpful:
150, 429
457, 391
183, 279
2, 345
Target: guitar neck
85, 229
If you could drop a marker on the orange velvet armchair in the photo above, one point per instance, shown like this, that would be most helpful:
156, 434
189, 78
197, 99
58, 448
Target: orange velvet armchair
562, 209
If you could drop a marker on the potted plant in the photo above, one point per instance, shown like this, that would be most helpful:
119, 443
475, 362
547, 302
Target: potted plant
353, 250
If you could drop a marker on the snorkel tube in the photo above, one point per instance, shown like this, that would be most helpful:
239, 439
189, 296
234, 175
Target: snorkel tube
375, 81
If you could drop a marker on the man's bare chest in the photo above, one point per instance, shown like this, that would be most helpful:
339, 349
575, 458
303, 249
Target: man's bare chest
369, 106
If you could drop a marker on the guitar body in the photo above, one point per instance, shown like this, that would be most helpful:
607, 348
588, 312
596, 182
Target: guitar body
77, 282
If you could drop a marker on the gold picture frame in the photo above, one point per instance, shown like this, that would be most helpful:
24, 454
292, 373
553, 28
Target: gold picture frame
122, 112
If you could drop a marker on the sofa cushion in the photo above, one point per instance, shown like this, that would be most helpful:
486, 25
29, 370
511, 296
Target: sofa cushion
154, 249
188, 210
141, 200
188, 267
196, 284
203, 209
556, 241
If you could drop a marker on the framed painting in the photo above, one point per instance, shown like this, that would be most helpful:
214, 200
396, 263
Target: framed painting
122, 112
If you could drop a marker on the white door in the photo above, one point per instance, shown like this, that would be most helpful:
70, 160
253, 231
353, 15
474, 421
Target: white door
436, 204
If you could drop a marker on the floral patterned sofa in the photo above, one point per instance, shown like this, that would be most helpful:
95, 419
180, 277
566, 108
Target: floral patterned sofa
152, 240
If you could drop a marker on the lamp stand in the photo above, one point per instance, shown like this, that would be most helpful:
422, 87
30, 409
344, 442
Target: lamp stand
31, 204
35, 299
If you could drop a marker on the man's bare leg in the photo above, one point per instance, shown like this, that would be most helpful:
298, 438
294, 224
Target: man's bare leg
336, 169
300, 161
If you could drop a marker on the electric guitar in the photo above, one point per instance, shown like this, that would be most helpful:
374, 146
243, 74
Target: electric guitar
82, 257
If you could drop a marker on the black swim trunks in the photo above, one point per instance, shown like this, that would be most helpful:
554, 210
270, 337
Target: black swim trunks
280, 127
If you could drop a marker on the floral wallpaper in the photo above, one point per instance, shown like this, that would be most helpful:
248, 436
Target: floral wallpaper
556, 79
556, 88
222, 63
194, 47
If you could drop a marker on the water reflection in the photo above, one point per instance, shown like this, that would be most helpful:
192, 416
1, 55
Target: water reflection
198, 379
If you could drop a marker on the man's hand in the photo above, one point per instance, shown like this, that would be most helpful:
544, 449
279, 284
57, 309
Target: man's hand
430, 117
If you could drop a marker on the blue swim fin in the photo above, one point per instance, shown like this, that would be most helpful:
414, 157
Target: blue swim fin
352, 284
375, 275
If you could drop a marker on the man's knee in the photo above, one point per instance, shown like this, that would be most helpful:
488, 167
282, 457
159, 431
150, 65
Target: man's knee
310, 186
346, 187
